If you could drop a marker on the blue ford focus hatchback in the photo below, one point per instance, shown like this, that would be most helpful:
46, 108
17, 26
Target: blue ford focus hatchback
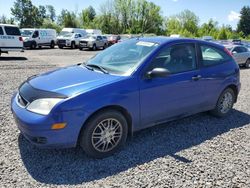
130, 86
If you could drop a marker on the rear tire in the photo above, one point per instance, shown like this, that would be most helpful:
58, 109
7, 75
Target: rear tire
225, 103
247, 64
80, 48
61, 47
104, 134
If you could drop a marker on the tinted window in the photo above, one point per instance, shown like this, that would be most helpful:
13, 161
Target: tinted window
79, 35
1, 31
243, 49
12, 31
99, 38
212, 56
36, 34
177, 58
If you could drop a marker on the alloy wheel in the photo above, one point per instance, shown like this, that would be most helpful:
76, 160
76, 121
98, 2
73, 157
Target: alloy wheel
107, 135
226, 102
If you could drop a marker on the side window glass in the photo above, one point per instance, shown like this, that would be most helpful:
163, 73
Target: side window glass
243, 49
36, 34
1, 31
177, 58
212, 56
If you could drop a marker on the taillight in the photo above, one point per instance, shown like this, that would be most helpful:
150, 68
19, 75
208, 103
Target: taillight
228, 52
20, 38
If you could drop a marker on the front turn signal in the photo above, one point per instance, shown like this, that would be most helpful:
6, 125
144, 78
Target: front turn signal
57, 126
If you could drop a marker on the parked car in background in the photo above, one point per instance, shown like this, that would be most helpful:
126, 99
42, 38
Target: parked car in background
38, 37
93, 42
130, 86
69, 40
241, 54
10, 38
207, 38
93, 32
124, 38
112, 39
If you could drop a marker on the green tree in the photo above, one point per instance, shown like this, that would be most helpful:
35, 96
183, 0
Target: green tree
51, 13
87, 17
244, 23
68, 19
48, 23
222, 35
26, 14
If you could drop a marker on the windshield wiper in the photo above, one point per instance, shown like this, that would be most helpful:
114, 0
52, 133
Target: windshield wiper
89, 66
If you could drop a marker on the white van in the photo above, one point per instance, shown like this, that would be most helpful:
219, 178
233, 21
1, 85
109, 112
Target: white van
70, 37
94, 31
38, 37
10, 38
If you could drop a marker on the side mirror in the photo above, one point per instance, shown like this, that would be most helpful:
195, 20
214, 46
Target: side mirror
157, 72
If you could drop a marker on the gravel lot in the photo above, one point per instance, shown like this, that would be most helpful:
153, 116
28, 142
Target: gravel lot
199, 151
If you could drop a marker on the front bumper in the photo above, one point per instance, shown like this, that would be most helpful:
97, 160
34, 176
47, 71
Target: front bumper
37, 128
85, 45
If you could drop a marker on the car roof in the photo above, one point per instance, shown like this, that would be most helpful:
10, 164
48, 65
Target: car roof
164, 40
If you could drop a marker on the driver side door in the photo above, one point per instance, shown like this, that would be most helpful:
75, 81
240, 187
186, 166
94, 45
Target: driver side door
177, 95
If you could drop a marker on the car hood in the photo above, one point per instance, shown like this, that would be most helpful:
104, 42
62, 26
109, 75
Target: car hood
62, 37
71, 80
88, 40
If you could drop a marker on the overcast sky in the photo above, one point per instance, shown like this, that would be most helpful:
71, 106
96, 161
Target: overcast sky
223, 11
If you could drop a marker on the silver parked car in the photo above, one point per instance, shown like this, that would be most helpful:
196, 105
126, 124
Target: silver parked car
93, 42
241, 54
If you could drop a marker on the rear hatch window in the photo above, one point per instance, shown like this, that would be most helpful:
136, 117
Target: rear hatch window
12, 31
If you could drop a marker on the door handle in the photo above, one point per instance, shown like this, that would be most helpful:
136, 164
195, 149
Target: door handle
196, 78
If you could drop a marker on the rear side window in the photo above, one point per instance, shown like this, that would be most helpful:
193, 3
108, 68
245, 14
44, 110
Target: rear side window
212, 56
12, 31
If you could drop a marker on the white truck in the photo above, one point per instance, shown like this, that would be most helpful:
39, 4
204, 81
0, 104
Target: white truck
10, 38
38, 37
70, 37
94, 32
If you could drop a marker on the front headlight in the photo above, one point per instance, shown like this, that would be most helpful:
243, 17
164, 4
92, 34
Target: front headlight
43, 106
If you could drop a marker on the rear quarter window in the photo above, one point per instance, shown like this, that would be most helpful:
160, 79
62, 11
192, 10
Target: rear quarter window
1, 30
212, 56
12, 31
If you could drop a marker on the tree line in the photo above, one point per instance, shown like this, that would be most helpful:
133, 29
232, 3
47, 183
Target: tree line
126, 16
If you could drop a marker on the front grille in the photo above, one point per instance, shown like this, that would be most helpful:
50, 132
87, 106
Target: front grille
61, 41
83, 42
21, 101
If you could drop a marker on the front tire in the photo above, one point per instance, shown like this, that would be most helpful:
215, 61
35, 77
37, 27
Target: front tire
33, 45
73, 45
104, 134
225, 103
94, 47
52, 44
247, 64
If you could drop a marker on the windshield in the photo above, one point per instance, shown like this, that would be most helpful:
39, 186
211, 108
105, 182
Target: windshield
123, 58
26, 33
65, 34
90, 37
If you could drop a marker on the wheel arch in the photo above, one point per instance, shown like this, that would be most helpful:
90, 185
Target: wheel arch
118, 108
